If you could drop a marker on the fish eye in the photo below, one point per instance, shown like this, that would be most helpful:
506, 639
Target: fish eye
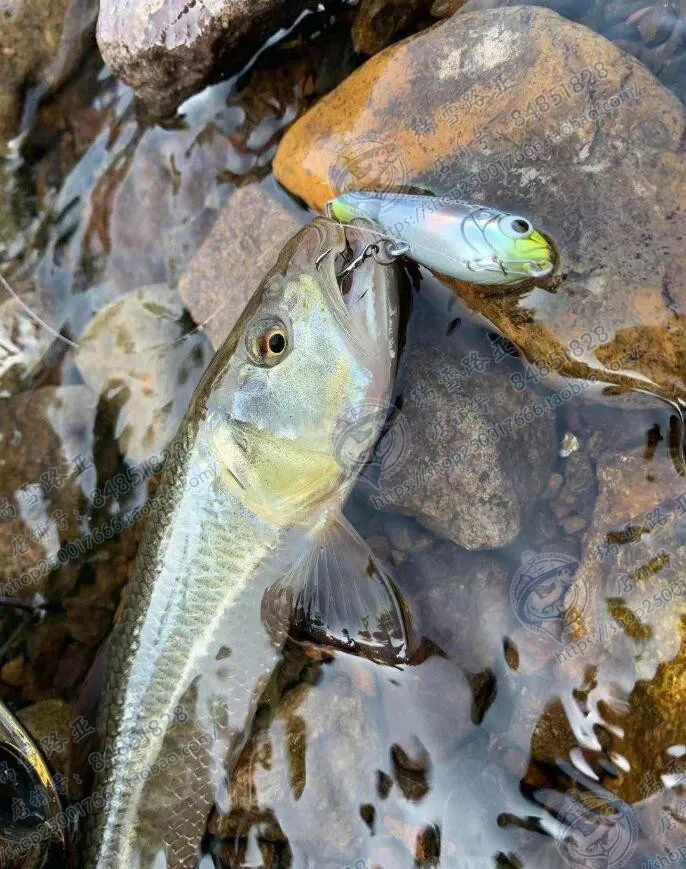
267, 341
273, 343
516, 227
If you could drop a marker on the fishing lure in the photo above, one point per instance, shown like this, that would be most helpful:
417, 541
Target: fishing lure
462, 240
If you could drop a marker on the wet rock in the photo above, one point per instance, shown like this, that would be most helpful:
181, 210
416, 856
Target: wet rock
654, 722
406, 535
45, 646
242, 246
569, 499
635, 547
460, 601
89, 614
46, 463
352, 766
629, 630
112, 164
41, 42
474, 455
166, 51
416, 707
653, 33
379, 22
322, 750
12, 673
75, 662
140, 353
522, 109
49, 723
27, 349
470, 827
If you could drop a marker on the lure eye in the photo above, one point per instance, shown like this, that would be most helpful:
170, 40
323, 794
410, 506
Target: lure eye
515, 227
267, 342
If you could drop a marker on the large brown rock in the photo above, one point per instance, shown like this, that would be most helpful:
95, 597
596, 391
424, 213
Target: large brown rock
522, 109
166, 49
653, 33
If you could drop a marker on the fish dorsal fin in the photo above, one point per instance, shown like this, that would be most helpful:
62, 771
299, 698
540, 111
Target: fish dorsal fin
340, 594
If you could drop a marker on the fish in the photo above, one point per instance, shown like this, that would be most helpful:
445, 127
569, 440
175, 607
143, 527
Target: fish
248, 515
462, 240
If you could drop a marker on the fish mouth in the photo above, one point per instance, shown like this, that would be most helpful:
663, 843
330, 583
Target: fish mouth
362, 287
352, 250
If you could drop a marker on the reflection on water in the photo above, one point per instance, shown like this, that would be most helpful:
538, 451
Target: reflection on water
535, 528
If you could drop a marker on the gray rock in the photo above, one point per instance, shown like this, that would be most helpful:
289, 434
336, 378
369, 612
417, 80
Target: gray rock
322, 750
633, 562
354, 756
475, 456
459, 601
25, 348
139, 354
242, 246
167, 49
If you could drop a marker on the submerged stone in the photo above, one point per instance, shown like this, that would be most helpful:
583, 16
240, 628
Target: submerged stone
146, 360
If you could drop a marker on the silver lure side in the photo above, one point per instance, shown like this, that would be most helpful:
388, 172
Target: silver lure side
462, 240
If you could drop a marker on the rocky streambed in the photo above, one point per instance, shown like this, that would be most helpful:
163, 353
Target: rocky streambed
528, 492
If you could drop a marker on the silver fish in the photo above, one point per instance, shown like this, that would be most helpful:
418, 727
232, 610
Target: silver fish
250, 501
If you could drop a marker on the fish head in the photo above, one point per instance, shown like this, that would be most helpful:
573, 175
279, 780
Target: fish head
505, 248
311, 354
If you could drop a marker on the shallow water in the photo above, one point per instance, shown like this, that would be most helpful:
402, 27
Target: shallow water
509, 739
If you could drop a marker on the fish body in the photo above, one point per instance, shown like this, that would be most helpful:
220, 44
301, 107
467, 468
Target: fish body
463, 240
250, 497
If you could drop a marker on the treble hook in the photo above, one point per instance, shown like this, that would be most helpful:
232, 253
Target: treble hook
390, 253
357, 262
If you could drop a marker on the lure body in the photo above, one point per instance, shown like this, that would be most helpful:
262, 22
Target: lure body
462, 240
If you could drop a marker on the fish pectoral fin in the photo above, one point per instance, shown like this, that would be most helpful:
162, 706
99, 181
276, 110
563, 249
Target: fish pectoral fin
340, 594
